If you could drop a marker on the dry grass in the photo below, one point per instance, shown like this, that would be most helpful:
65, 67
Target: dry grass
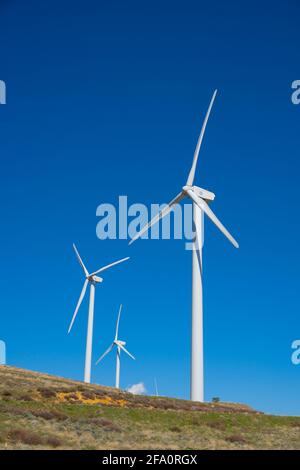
38, 411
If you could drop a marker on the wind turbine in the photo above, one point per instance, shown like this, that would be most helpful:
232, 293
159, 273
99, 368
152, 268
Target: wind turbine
200, 198
119, 345
92, 279
155, 386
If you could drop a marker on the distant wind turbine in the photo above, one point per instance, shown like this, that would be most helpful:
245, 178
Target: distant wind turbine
155, 386
200, 198
93, 280
119, 345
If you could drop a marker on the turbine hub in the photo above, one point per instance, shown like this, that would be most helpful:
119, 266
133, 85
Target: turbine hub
186, 188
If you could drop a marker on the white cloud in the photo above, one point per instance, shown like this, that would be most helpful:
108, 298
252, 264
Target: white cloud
137, 389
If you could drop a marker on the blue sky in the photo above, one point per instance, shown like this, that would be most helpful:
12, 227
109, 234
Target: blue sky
107, 99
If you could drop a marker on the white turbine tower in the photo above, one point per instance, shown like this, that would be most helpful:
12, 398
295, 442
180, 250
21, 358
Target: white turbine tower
119, 345
93, 280
200, 198
155, 386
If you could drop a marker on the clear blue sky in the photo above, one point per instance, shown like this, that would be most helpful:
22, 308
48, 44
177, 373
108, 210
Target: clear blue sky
106, 99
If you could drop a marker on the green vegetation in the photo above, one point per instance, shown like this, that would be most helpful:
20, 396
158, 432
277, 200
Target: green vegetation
43, 412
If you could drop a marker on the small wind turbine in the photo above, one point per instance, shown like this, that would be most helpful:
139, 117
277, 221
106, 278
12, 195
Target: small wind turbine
93, 280
119, 345
200, 198
155, 386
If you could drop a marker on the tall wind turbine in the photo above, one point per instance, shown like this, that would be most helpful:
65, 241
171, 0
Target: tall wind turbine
119, 345
92, 279
200, 198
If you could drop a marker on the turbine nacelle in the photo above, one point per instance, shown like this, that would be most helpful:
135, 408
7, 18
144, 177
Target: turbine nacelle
95, 279
203, 193
118, 342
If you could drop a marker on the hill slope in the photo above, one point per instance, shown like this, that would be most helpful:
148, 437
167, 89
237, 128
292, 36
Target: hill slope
40, 411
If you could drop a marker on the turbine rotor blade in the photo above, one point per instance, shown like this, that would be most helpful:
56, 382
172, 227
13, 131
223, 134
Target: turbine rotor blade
82, 294
158, 216
204, 206
127, 352
105, 353
191, 176
109, 266
80, 260
117, 328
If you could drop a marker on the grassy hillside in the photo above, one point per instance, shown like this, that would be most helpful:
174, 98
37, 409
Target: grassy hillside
44, 412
